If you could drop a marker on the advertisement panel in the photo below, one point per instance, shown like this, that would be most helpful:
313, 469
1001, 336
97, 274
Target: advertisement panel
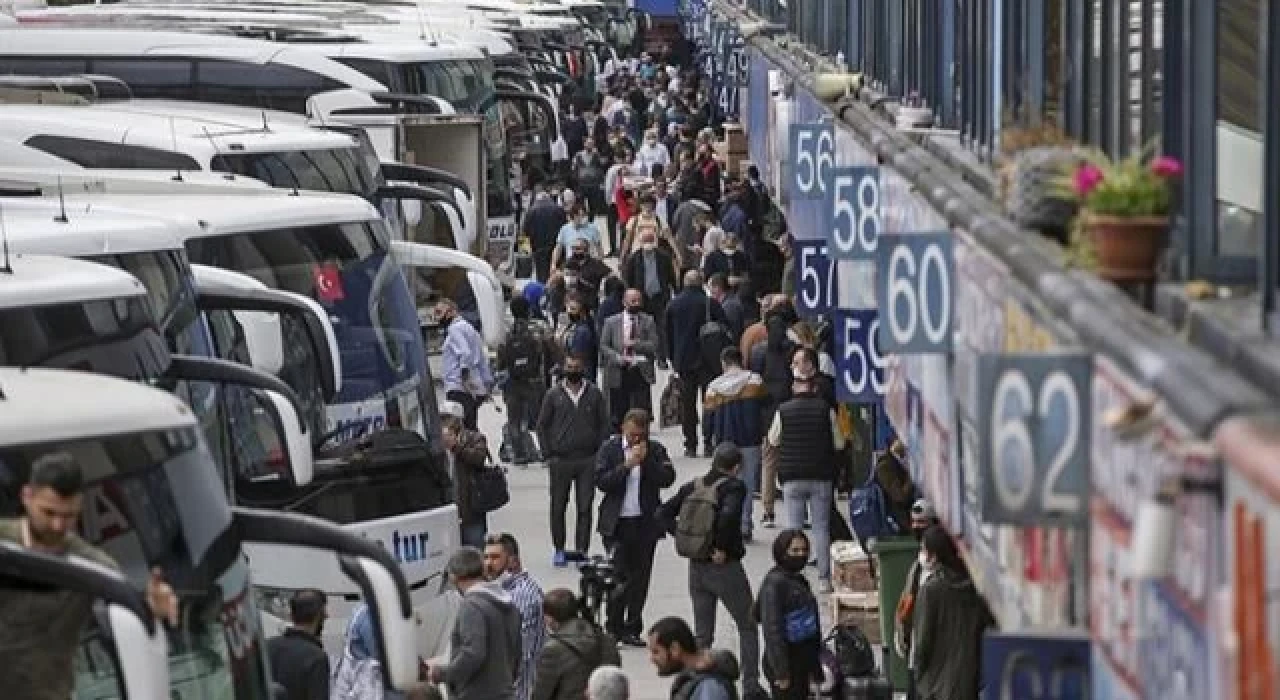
757, 114
1128, 465
1250, 664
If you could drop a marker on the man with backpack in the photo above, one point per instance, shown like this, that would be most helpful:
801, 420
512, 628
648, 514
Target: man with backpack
705, 516
575, 648
525, 357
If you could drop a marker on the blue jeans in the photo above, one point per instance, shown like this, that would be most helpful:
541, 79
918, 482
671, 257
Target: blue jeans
751, 477
817, 495
474, 531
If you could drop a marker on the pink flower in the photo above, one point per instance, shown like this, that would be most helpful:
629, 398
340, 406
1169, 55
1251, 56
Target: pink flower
1087, 178
1166, 166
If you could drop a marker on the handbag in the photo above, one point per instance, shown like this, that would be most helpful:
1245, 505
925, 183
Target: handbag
489, 488
356, 679
801, 624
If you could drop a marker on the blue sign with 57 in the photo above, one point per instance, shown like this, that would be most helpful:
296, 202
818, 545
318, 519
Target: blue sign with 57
815, 278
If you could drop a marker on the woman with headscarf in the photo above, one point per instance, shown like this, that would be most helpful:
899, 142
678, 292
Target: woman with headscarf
949, 618
789, 619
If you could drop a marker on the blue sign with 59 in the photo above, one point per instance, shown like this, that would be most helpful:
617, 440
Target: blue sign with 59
859, 363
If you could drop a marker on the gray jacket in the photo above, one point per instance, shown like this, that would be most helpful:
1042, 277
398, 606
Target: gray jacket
949, 621
571, 654
644, 348
484, 660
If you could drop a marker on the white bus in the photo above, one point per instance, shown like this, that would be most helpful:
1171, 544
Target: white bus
153, 499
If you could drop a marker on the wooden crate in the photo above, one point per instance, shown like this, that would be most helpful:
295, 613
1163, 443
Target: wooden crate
861, 609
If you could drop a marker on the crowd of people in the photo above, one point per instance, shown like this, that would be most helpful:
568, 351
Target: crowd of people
695, 291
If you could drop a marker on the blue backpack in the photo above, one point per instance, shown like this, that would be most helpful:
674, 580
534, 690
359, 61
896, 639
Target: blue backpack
868, 515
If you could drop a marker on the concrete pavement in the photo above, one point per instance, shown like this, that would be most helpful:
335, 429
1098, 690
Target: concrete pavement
527, 517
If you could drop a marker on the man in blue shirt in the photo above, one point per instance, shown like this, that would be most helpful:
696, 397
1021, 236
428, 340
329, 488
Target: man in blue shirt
467, 376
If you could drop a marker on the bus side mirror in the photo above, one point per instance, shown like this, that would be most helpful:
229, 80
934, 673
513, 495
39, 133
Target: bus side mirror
274, 342
142, 649
368, 564
295, 445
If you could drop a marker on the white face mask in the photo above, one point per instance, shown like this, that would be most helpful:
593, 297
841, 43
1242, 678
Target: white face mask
649, 246
926, 564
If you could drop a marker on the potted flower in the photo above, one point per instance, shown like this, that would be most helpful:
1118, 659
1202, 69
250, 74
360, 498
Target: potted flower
1125, 212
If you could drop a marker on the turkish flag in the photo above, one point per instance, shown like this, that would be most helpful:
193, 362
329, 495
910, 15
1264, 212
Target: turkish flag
328, 283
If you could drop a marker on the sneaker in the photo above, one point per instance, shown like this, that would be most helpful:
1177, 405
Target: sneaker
766, 521
559, 560
824, 586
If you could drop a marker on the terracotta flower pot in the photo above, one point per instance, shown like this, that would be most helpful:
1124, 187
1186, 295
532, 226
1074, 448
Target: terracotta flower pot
1127, 248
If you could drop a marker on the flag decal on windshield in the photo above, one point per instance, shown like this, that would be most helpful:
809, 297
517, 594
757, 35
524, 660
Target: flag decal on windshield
328, 280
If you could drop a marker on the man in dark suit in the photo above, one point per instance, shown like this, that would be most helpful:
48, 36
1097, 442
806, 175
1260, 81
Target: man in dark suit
631, 472
689, 314
542, 224
298, 661
652, 270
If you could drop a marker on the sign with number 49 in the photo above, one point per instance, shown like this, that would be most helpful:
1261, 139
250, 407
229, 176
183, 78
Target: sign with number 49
1035, 437
915, 291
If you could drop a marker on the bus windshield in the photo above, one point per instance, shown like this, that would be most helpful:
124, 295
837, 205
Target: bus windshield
153, 499
342, 170
118, 337
348, 269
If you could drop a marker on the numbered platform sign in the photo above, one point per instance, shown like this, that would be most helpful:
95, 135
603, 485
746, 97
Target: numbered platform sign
1036, 666
859, 361
1034, 433
813, 153
915, 291
815, 278
852, 209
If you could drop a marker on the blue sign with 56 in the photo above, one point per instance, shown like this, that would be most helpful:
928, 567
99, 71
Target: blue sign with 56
813, 152
859, 363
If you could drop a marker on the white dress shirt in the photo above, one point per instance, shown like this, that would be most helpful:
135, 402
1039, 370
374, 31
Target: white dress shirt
631, 500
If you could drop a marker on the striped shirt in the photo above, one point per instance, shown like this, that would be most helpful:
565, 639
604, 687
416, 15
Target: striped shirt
526, 595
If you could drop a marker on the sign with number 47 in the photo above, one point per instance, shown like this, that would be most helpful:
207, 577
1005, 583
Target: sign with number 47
1035, 438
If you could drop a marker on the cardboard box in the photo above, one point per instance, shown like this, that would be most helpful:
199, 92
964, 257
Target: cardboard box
735, 137
851, 570
861, 609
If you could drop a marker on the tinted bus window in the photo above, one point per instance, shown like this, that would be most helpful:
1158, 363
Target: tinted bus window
268, 86
149, 77
93, 154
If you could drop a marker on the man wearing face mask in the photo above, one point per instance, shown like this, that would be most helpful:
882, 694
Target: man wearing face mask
468, 378
589, 168
574, 422
579, 228
652, 271
628, 347
729, 261
807, 435
652, 155
923, 517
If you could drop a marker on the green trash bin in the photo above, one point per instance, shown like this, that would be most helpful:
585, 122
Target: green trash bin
894, 556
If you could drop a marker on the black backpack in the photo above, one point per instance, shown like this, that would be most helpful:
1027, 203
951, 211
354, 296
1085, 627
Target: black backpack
524, 354
853, 651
